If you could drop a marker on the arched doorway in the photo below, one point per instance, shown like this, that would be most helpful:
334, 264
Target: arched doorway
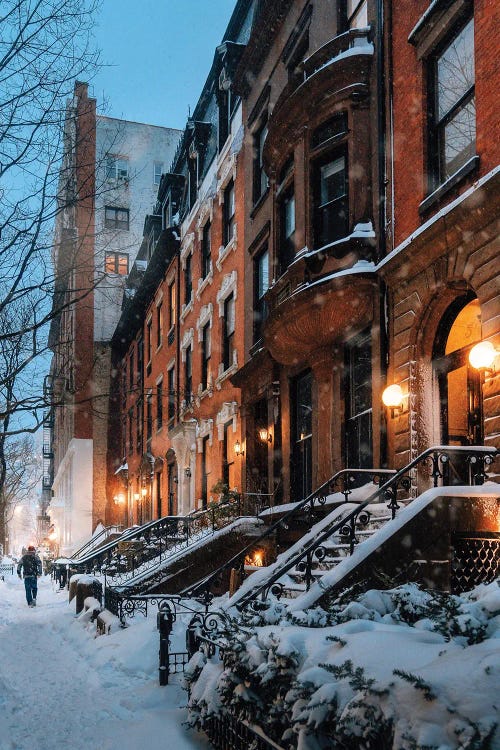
460, 399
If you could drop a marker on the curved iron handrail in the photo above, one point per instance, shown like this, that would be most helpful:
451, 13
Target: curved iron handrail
476, 456
160, 536
90, 543
201, 589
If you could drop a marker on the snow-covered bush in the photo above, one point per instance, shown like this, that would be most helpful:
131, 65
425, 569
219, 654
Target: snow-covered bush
404, 669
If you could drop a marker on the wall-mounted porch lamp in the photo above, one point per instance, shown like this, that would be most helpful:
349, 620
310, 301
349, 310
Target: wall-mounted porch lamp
238, 450
265, 436
119, 499
482, 356
136, 496
392, 397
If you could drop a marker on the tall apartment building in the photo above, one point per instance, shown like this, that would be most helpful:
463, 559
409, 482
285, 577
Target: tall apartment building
110, 173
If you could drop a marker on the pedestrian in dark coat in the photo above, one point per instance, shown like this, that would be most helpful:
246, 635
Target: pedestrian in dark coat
31, 565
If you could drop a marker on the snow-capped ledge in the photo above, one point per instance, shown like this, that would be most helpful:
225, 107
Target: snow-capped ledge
332, 577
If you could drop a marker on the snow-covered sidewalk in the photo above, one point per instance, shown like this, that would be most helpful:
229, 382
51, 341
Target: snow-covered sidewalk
62, 688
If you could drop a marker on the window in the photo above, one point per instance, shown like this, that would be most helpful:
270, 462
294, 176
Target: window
159, 404
188, 375
117, 263
149, 417
149, 347
188, 280
131, 370
139, 413
205, 355
192, 180
335, 126
116, 218
356, 14
453, 108
159, 324
206, 258
140, 362
227, 104
228, 333
171, 305
171, 395
228, 214
287, 229
330, 200
116, 168
259, 176
157, 172
261, 285
130, 430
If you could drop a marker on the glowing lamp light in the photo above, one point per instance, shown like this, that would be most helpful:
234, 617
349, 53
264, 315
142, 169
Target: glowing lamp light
265, 436
238, 449
119, 499
52, 536
482, 356
144, 492
136, 496
393, 396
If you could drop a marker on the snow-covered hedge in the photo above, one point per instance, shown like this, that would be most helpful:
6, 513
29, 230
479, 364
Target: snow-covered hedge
404, 669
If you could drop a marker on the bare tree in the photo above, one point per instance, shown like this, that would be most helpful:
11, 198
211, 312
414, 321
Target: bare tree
44, 46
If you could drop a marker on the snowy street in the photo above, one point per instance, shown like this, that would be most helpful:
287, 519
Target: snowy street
62, 688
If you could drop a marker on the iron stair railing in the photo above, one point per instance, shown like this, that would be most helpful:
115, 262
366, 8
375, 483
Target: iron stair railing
438, 457
154, 540
342, 481
90, 544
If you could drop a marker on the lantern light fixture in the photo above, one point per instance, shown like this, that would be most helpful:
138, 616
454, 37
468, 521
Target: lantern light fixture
265, 435
238, 450
136, 496
482, 356
392, 397
144, 491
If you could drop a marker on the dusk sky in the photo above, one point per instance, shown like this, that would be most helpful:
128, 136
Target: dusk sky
158, 54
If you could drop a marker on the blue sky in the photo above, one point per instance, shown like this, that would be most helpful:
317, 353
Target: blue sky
158, 54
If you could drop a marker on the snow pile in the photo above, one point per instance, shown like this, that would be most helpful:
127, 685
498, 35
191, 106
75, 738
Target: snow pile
404, 669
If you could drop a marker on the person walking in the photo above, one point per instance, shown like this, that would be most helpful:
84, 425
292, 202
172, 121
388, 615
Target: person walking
31, 566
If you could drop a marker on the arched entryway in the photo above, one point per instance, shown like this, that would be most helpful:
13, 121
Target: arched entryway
459, 383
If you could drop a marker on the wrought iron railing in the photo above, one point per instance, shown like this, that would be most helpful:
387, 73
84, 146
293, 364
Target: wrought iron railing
96, 540
140, 549
307, 511
333, 48
437, 459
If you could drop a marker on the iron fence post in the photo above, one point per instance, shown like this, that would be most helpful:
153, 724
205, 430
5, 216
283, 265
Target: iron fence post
164, 620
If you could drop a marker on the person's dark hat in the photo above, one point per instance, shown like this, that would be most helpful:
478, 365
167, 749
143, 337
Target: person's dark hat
31, 548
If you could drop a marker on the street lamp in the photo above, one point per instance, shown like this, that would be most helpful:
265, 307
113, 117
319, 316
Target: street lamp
482, 356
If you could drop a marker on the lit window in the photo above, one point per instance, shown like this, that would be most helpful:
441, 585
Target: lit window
116, 218
453, 119
117, 263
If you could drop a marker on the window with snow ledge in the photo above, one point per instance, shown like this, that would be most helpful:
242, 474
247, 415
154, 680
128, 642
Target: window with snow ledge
452, 107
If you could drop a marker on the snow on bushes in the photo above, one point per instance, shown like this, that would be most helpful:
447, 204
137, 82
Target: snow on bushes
405, 669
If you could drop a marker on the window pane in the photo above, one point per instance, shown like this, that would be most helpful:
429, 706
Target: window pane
230, 315
332, 180
123, 265
289, 217
357, 14
459, 139
263, 274
110, 263
455, 70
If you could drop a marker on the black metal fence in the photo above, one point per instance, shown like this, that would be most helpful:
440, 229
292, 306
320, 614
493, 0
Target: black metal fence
6, 569
225, 732
475, 559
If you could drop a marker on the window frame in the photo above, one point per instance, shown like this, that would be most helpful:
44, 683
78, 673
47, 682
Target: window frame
324, 157
260, 179
228, 219
117, 259
114, 223
113, 170
188, 374
156, 175
206, 249
206, 354
159, 404
260, 308
188, 279
159, 324
228, 346
171, 395
436, 125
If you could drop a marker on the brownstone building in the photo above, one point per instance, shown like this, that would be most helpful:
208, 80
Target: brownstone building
327, 229
180, 336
